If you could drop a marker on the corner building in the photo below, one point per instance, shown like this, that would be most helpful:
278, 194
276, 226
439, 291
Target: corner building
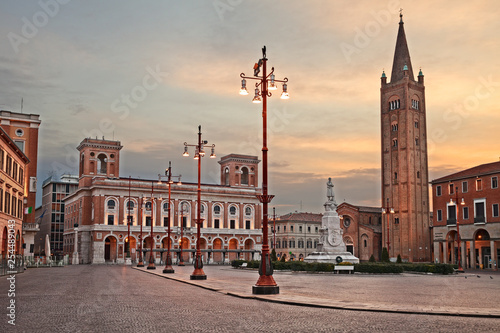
404, 158
13, 164
478, 218
95, 223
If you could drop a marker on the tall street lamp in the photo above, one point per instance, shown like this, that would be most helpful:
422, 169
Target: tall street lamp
265, 83
387, 212
181, 262
459, 242
168, 173
129, 219
151, 264
140, 263
198, 273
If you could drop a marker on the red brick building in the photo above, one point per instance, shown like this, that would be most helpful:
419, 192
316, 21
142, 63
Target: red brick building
23, 130
478, 216
362, 228
13, 164
96, 213
404, 158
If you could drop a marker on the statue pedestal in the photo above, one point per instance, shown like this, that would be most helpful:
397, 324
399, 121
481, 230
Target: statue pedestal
331, 247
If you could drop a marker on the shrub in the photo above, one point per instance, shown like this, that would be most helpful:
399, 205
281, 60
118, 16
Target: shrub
283, 258
372, 258
345, 263
428, 268
237, 263
385, 255
398, 261
377, 268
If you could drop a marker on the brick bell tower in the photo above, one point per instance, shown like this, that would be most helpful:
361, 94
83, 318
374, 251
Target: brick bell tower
98, 158
404, 158
239, 170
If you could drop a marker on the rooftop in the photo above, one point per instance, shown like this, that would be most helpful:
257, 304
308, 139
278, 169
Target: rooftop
480, 170
301, 217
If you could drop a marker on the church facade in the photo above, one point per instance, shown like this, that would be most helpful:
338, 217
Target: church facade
96, 214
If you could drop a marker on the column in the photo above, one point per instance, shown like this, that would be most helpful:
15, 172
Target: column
493, 257
463, 249
209, 214
473, 254
453, 250
436, 251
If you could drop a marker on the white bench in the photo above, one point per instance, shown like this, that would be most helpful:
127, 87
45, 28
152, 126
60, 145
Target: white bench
339, 268
244, 265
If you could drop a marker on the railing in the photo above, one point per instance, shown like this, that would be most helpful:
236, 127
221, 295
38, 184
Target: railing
480, 219
11, 266
451, 222
46, 261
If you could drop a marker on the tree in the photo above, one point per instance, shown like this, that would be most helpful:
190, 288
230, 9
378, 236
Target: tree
385, 255
372, 259
273, 255
399, 259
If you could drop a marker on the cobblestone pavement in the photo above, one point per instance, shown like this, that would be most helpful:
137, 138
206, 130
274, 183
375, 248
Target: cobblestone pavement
122, 299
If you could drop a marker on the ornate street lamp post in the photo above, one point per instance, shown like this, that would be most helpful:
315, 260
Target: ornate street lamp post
181, 262
198, 273
459, 242
151, 264
129, 219
168, 173
265, 284
387, 212
140, 263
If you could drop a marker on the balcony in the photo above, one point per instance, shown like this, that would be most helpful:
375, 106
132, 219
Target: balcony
480, 219
31, 227
451, 222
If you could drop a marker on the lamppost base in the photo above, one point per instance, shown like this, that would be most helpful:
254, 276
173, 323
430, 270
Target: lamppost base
168, 270
140, 264
198, 274
460, 270
151, 266
265, 290
181, 264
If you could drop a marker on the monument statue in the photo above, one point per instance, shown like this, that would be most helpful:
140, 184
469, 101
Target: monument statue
329, 190
331, 244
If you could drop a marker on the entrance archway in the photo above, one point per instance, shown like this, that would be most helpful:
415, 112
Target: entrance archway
165, 244
233, 245
217, 245
110, 249
249, 245
4, 242
146, 245
185, 245
482, 249
130, 247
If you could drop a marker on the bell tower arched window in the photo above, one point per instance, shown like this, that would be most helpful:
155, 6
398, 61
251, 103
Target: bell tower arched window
102, 164
226, 176
244, 176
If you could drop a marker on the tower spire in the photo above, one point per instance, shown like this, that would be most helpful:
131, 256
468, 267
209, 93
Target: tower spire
401, 54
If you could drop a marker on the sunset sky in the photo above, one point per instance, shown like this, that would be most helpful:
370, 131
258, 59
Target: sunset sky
147, 73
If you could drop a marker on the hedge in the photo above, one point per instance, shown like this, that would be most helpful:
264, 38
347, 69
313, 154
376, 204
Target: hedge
377, 268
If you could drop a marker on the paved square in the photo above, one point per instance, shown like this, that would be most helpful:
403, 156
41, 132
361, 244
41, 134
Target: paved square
123, 299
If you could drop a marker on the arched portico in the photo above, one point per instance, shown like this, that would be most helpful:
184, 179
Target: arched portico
110, 249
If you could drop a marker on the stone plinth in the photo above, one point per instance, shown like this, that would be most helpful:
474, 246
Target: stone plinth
331, 247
